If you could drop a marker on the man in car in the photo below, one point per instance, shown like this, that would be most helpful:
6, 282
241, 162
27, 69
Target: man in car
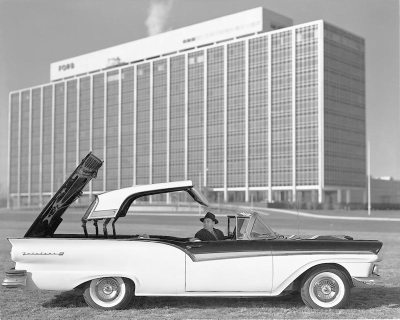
209, 233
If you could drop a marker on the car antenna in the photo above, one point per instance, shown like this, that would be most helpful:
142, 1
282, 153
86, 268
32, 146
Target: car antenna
298, 216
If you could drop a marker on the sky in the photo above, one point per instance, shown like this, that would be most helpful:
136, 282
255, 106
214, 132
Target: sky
36, 33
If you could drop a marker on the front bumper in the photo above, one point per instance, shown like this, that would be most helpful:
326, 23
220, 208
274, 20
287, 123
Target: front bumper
372, 281
15, 278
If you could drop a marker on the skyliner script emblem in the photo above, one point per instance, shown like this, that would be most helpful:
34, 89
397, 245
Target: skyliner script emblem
42, 254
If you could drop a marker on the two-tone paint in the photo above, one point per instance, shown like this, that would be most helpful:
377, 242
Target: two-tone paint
253, 260
173, 267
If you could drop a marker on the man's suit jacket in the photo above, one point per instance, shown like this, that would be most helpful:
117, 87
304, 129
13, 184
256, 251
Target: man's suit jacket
205, 235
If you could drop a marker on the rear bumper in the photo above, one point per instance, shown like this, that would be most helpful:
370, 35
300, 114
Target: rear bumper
373, 281
15, 278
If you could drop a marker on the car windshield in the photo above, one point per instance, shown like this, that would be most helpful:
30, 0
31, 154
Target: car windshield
260, 230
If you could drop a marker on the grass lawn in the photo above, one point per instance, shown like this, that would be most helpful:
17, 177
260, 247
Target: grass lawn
372, 303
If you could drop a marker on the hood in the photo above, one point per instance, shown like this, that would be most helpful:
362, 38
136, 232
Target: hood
50, 218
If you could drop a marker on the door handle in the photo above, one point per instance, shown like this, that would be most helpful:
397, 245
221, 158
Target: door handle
194, 246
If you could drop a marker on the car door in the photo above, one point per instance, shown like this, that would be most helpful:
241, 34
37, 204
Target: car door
229, 266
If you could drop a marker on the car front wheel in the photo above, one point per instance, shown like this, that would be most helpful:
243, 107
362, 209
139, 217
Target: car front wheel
325, 289
109, 293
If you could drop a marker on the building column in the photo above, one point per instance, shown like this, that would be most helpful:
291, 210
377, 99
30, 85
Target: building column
91, 130
186, 114
135, 76
53, 109
65, 131
294, 176
30, 149
151, 126
168, 67
314, 196
105, 130
78, 103
348, 196
321, 195
19, 148
269, 120
119, 127
339, 196
205, 83
9, 155
225, 123
246, 101
321, 164
41, 149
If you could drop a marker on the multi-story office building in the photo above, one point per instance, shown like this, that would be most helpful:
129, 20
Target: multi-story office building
249, 104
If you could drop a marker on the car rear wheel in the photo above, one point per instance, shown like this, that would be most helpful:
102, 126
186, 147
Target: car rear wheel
109, 293
325, 289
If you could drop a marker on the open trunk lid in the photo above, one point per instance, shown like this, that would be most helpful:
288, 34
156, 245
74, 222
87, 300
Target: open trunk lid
49, 219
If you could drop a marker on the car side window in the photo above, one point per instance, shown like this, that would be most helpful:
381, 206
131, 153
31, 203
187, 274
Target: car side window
242, 225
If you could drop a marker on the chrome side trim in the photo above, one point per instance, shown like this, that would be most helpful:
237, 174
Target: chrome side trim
229, 255
295, 253
247, 254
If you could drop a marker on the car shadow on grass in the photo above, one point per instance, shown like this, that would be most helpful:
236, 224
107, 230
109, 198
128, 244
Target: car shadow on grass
67, 299
216, 302
377, 297
74, 299
362, 299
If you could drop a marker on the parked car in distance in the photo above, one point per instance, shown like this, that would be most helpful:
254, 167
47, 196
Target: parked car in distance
113, 268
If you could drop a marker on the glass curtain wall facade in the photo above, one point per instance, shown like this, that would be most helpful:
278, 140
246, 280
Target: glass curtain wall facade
277, 116
344, 113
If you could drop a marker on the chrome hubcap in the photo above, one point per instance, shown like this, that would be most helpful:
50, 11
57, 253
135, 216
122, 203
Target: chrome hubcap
107, 289
326, 289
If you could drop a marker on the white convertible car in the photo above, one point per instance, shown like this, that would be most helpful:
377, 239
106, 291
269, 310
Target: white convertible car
252, 260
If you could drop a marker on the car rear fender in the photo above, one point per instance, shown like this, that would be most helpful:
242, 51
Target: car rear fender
82, 282
50, 280
63, 264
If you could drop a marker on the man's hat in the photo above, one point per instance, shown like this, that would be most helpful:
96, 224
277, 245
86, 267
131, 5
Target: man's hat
211, 216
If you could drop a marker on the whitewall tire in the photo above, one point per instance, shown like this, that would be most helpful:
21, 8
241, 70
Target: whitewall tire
109, 293
325, 288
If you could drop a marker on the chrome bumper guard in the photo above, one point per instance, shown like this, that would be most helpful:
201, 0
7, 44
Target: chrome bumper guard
15, 278
361, 282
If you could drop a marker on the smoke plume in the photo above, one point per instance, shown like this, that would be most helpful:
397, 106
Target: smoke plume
158, 16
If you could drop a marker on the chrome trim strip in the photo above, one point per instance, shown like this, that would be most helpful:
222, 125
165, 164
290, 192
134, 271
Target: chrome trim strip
295, 253
229, 255
197, 257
